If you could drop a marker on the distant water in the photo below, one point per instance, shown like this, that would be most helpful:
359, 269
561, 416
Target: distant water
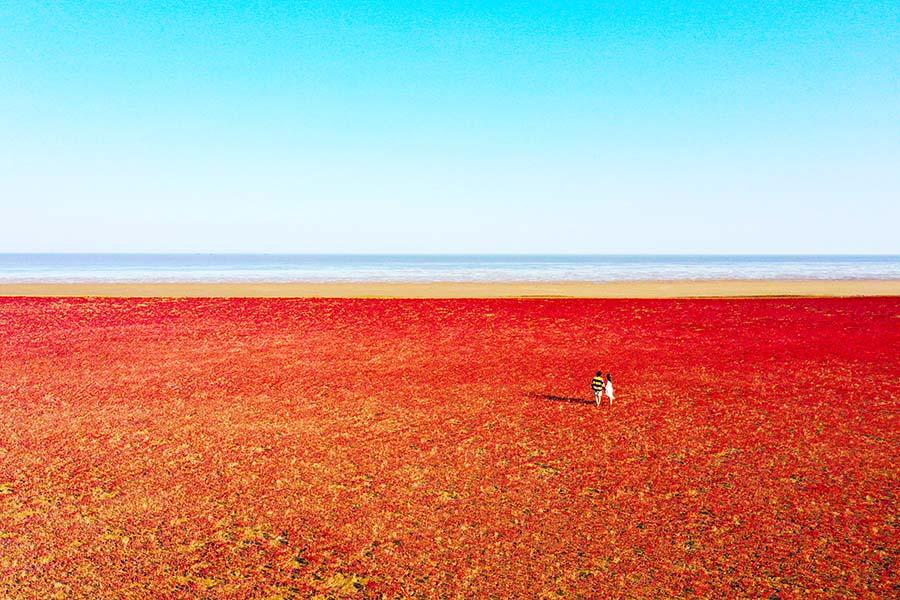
24, 268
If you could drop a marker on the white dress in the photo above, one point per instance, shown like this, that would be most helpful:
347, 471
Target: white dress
609, 390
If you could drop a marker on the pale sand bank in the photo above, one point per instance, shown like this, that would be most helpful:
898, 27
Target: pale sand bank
569, 289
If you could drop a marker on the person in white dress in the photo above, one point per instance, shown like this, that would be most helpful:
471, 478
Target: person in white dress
610, 393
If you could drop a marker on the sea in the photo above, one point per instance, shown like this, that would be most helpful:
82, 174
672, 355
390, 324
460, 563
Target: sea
236, 268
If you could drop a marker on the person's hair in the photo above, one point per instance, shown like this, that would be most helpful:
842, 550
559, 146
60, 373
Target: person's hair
609, 376
600, 373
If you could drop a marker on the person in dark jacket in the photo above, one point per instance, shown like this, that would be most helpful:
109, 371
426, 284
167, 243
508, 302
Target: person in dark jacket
598, 385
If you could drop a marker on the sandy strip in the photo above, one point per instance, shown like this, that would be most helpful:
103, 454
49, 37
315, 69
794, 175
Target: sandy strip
569, 289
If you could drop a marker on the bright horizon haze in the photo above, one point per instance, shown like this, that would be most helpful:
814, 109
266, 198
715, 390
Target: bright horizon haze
470, 127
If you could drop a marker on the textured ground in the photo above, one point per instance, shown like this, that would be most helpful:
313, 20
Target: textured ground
446, 448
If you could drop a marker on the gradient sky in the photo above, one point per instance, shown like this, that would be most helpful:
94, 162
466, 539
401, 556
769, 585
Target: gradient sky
615, 127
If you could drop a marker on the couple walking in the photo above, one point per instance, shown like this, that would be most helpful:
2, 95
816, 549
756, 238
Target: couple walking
599, 387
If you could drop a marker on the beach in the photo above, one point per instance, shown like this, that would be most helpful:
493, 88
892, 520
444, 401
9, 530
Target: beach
724, 288
293, 438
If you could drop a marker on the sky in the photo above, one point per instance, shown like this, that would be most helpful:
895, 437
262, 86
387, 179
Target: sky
450, 127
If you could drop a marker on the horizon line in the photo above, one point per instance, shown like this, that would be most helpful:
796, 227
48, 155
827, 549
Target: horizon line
447, 254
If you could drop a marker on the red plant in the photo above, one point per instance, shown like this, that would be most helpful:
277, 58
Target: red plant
283, 448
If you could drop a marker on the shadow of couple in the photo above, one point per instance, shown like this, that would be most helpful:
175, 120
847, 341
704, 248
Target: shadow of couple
555, 398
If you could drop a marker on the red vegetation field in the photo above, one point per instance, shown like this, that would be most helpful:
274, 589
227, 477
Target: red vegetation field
447, 448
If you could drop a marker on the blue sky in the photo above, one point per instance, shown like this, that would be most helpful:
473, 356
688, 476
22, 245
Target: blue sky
619, 127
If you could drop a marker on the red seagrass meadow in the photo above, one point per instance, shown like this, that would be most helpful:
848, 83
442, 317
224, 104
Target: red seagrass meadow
280, 448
